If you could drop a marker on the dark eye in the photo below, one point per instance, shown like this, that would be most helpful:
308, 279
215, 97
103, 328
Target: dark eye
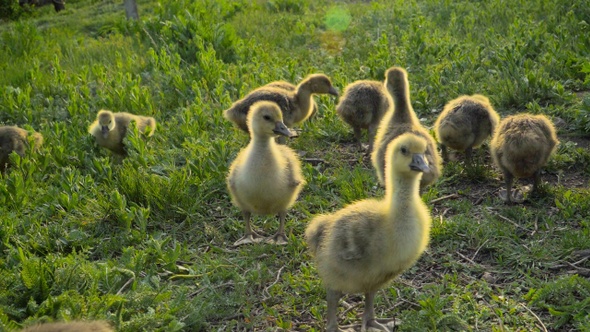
266, 117
404, 150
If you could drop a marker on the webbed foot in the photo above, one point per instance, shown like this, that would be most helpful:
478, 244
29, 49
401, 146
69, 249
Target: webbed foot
379, 325
346, 330
517, 196
249, 238
363, 147
278, 239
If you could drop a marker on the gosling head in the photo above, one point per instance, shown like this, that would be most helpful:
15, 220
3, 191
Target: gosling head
266, 119
320, 83
406, 155
106, 121
394, 75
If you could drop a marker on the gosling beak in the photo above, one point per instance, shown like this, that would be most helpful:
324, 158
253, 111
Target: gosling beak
333, 91
419, 164
105, 131
281, 129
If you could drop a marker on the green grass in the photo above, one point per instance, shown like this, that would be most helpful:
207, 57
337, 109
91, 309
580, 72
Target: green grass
145, 243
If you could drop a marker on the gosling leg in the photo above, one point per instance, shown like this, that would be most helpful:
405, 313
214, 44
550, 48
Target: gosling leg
250, 236
469, 156
445, 152
371, 134
369, 315
509, 179
536, 181
280, 238
281, 140
422, 190
333, 297
357, 138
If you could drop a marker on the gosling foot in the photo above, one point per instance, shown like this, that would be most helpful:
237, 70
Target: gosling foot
249, 238
374, 325
363, 147
346, 330
517, 196
278, 239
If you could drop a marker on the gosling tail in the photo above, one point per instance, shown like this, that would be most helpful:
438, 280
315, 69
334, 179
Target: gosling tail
151, 122
37, 140
315, 233
234, 115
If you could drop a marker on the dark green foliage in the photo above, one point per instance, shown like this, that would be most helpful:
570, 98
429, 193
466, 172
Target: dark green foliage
10, 10
291, 6
567, 299
583, 116
193, 27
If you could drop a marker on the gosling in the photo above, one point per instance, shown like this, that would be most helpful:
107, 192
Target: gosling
360, 248
265, 177
16, 139
521, 146
95, 326
292, 87
362, 106
465, 123
110, 128
295, 105
402, 120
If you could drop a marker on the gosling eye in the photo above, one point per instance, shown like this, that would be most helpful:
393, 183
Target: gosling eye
404, 150
266, 117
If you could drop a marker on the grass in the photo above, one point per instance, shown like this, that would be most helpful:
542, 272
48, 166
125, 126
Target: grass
145, 243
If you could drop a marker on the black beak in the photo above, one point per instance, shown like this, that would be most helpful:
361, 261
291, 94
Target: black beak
281, 129
333, 91
105, 131
419, 164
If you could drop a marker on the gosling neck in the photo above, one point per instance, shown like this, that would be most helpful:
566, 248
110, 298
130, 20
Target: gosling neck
262, 141
303, 97
402, 189
402, 107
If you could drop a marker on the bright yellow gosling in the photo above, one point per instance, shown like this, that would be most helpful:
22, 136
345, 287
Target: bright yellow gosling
265, 178
360, 248
403, 120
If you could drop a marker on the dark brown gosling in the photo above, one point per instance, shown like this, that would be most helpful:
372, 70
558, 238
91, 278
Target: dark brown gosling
110, 128
296, 105
521, 146
16, 139
95, 326
362, 106
265, 178
362, 247
399, 121
465, 123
